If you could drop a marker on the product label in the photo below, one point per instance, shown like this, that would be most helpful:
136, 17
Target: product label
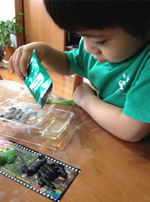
37, 82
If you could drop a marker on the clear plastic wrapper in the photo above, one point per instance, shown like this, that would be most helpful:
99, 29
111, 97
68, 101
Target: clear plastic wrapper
22, 119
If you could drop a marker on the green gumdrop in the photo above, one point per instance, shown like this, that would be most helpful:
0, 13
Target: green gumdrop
9, 156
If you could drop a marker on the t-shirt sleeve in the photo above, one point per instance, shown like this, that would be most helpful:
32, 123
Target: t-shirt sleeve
76, 58
137, 104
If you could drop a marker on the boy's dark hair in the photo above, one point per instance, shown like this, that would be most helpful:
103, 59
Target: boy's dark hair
75, 16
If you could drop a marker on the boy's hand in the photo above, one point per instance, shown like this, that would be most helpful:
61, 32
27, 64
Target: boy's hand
109, 116
21, 58
82, 93
19, 61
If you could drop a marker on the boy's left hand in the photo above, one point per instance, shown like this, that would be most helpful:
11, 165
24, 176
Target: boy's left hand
82, 94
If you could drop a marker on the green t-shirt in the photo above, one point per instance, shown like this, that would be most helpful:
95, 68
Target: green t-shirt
125, 84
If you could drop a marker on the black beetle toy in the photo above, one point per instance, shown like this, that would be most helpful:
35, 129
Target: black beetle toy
46, 173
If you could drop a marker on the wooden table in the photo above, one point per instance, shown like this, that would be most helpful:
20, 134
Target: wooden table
112, 170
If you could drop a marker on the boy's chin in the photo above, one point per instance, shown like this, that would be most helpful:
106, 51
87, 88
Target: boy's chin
101, 61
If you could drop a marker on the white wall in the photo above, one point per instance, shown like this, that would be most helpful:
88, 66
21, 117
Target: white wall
7, 13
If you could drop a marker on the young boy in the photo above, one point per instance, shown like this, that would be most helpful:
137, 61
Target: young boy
114, 54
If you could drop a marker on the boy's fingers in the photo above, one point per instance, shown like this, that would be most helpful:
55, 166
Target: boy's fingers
24, 61
16, 64
19, 61
10, 64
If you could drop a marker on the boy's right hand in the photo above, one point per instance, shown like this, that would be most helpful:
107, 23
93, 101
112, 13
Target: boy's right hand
20, 60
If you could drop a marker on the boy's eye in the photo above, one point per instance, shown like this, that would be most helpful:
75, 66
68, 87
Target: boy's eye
101, 42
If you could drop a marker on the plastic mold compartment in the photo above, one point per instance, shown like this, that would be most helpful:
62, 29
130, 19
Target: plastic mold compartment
49, 127
57, 124
21, 112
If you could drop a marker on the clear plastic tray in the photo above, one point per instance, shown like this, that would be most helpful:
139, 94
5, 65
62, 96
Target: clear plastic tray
50, 127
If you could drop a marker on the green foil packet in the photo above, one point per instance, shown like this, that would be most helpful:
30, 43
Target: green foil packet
38, 81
